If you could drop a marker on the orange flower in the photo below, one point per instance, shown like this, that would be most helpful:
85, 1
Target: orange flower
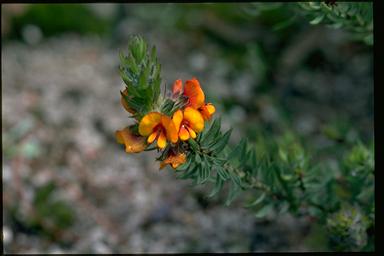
133, 143
124, 103
195, 95
174, 160
188, 123
158, 126
207, 110
177, 87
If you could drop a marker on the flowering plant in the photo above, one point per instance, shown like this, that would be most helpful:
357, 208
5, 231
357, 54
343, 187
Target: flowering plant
180, 125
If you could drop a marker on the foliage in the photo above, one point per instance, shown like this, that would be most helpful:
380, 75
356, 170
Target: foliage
57, 18
284, 179
141, 73
281, 177
50, 215
356, 18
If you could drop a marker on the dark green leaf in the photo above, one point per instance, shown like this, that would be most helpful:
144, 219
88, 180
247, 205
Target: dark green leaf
220, 144
264, 211
218, 186
257, 201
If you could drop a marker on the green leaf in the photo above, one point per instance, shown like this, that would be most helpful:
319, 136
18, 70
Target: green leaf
233, 192
264, 211
210, 135
238, 151
198, 158
220, 144
218, 186
222, 173
257, 201
193, 144
204, 172
191, 172
236, 179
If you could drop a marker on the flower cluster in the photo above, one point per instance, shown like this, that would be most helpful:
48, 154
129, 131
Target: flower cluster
168, 132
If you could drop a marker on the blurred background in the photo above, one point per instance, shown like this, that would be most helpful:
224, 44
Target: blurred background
69, 187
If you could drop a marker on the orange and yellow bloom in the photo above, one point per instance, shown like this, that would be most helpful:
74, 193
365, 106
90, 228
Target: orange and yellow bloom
174, 160
158, 127
132, 142
195, 95
185, 123
188, 123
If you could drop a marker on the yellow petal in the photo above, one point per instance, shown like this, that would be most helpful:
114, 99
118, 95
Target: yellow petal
191, 132
152, 137
133, 143
194, 93
148, 122
183, 133
211, 109
162, 141
194, 119
170, 128
177, 118
207, 111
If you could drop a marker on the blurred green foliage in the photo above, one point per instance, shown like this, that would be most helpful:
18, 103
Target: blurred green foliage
347, 229
54, 19
356, 18
51, 216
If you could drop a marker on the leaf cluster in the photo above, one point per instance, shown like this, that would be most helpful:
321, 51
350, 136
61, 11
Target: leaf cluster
354, 17
284, 179
140, 72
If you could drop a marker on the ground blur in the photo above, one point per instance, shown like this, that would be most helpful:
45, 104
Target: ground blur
69, 187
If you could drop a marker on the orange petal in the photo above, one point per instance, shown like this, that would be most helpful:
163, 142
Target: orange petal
148, 122
211, 108
194, 93
124, 103
170, 128
177, 87
162, 141
194, 119
191, 132
177, 118
207, 111
178, 160
183, 133
174, 160
133, 143
162, 165
152, 137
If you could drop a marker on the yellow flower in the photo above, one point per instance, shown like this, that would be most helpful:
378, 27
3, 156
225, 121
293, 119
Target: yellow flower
195, 95
174, 160
188, 123
158, 127
133, 143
